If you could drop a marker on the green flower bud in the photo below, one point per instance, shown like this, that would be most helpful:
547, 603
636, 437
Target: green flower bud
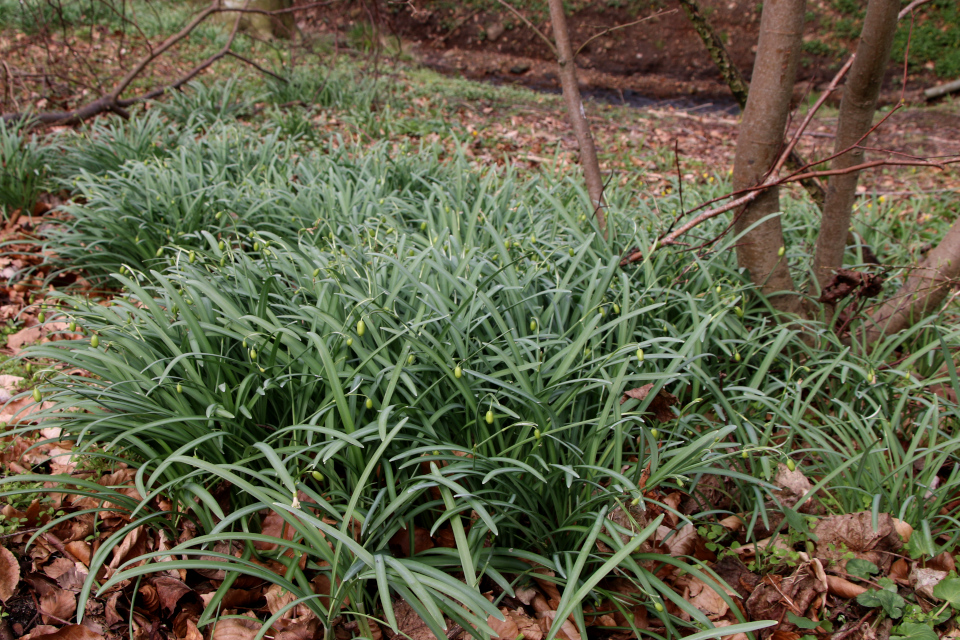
36, 395
369, 403
94, 341
361, 328
489, 416
457, 372
317, 476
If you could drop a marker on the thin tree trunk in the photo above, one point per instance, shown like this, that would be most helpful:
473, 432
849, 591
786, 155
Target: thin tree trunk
738, 86
923, 292
578, 117
857, 109
759, 143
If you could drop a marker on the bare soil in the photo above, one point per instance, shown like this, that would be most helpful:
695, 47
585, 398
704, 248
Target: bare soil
658, 59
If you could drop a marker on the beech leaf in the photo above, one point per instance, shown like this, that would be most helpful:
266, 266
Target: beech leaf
9, 574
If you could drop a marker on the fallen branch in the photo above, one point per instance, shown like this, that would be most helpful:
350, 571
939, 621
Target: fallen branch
941, 90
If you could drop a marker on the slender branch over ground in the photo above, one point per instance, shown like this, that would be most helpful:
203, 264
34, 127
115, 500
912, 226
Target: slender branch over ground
578, 117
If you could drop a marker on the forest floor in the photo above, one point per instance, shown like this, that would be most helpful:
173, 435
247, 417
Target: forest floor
684, 137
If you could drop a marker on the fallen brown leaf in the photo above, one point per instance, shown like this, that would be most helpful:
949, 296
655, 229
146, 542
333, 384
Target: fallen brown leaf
842, 588
784, 634
17, 340
69, 632
169, 591
58, 606
775, 595
942, 562
411, 625
838, 536
9, 574
134, 544
192, 632
899, 570
421, 540
506, 628
924, 580
306, 628
236, 629
659, 406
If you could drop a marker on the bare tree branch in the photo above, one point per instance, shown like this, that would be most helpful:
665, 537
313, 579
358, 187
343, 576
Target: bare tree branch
620, 26
112, 101
532, 27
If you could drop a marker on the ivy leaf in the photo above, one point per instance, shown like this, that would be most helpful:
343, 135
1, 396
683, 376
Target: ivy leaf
914, 631
948, 590
891, 602
861, 568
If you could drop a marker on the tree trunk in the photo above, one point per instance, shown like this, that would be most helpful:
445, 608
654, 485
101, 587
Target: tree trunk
857, 109
759, 143
578, 117
923, 292
266, 27
738, 87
